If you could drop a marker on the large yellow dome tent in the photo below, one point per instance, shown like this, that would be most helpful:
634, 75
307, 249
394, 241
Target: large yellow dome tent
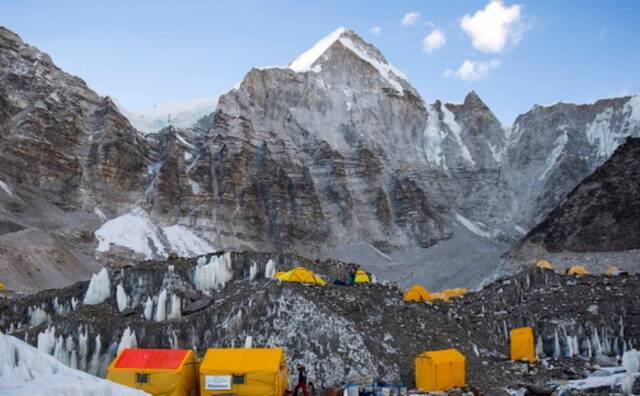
544, 264
578, 270
300, 275
417, 293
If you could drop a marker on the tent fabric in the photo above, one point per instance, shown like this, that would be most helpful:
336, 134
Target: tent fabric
160, 372
544, 264
457, 292
362, 277
522, 345
300, 275
263, 372
151, 358
613, 271
440, 370
2, 286
578, 270
417, 293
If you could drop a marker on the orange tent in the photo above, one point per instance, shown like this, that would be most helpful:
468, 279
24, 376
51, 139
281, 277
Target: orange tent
522, 345
417, 293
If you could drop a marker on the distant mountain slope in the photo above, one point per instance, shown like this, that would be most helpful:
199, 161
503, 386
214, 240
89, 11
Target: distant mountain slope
601, 214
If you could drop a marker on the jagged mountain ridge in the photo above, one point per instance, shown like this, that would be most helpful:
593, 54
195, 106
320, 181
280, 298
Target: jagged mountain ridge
336, 148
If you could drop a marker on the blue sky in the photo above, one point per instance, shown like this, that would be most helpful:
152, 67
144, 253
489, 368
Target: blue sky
148, 52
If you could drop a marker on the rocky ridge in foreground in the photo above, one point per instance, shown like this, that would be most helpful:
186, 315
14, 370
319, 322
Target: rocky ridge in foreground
343, 334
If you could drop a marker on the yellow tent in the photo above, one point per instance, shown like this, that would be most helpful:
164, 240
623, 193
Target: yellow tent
362, 277
544, 264
2, 286
439, 296
165, 372
440, 370
613, 271
417, 293
522, 344
578, 270
457, 292
300, 275
243, 372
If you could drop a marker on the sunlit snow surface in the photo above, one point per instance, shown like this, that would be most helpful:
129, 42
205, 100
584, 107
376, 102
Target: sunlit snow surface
24, 370
137, 232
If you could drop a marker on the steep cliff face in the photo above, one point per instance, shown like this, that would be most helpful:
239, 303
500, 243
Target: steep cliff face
601, 214
59, 137
68, 159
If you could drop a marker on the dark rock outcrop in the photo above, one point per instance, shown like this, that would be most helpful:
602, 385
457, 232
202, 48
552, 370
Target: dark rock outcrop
601, 214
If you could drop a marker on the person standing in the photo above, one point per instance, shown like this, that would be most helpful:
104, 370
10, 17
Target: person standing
302, 380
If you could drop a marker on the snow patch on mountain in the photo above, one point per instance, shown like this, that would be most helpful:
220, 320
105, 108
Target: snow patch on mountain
471, 226
27, 371
556, 153
432, 139
6, 188
599, 131
305, 62
633, 107
178, 114
137, 232
134, 231
185, 243
450, 121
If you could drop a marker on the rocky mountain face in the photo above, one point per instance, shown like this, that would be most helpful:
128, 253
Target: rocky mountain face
337, 148
601, 214
67, 159
552, 149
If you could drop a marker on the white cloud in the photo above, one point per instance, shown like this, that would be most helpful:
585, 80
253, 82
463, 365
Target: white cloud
433, 41
410, 18
375, 30
472, 70
495, 26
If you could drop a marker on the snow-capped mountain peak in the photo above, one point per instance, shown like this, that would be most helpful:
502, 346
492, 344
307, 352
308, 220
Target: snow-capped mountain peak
310, 60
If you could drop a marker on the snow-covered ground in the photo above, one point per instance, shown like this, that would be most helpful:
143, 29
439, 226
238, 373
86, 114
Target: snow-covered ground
137, 232
24, 370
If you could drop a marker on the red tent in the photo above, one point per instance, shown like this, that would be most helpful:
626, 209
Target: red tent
151, 358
